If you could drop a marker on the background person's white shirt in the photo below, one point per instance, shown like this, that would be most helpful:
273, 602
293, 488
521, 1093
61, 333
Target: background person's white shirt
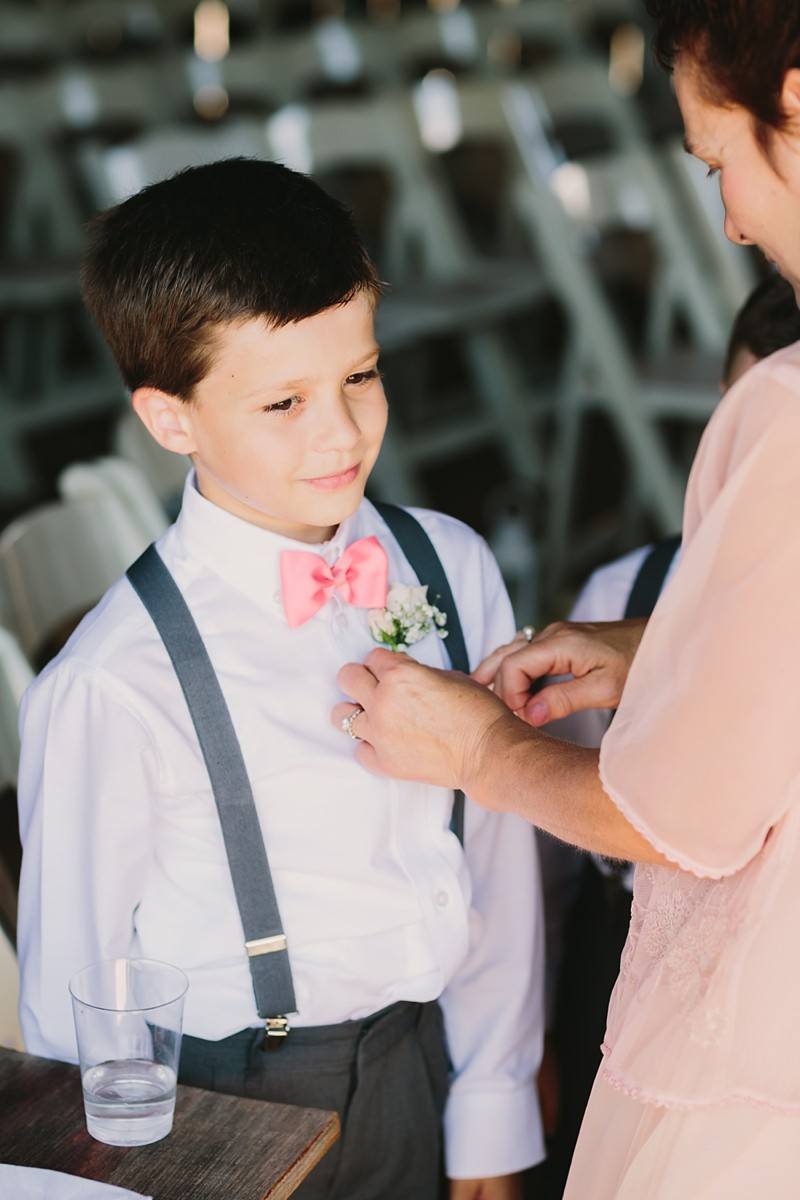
123, 853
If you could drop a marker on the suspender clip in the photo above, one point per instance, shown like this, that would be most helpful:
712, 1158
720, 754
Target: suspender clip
276, 1031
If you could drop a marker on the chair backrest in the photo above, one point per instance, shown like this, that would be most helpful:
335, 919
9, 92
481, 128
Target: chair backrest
15, 675
116, 173
10, 1033
424, 234
165, 472
627, 187
270, 71
120, 484
58, 560
482, 39
549, 25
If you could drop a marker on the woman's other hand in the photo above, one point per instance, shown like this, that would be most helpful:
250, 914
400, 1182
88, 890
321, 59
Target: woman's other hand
596, 659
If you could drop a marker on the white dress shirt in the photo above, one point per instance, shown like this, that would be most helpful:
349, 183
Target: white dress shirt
123, 853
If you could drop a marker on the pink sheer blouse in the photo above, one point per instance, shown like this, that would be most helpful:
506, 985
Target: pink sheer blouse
704, 759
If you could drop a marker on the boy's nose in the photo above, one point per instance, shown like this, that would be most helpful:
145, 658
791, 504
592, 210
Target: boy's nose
338, 428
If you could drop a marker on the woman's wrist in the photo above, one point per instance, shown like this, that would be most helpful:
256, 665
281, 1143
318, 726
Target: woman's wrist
497, 745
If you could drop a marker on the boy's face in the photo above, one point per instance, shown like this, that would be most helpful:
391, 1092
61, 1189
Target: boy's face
286, 426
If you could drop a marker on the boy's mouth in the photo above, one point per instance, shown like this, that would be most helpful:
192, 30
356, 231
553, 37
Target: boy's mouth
332, 483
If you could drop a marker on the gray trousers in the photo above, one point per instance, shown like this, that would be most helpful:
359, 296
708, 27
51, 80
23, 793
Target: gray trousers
386, 1076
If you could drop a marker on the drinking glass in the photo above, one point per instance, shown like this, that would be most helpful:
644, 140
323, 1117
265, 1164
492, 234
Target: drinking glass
128, 1016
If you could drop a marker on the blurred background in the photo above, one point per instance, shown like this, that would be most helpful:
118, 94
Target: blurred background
560, 288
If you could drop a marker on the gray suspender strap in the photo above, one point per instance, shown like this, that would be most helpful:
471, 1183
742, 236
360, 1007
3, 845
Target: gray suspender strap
427, 566
244, 843
651, 576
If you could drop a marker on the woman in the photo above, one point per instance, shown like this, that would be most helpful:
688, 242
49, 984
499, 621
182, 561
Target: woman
698, 780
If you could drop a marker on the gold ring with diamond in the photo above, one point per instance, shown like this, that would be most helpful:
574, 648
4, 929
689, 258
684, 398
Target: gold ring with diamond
528, 632
347, 723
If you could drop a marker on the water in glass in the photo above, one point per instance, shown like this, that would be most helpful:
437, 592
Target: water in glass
129, 1102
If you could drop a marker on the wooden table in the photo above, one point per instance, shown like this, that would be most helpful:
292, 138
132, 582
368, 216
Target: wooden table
220, 1148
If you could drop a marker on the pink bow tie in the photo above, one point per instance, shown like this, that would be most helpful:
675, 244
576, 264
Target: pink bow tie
359, 576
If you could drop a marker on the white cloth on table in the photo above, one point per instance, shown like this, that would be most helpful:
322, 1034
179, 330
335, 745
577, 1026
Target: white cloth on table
124, 854
31, 1183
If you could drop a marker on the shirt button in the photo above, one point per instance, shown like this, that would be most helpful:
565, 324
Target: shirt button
339, 622
441, 899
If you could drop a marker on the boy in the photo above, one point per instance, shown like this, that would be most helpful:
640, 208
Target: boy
239, 302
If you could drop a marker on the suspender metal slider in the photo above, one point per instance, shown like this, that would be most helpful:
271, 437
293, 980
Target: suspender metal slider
276, 1031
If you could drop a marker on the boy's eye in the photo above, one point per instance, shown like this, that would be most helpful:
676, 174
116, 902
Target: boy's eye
363, 376
283, 406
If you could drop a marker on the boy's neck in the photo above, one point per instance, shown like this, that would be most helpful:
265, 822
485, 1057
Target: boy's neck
210, 489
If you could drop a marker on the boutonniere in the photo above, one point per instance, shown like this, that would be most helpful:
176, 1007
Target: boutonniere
407, 618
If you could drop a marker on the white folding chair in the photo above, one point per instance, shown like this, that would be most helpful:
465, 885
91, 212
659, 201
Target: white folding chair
15, 675
598, 370
507, 31
120, 484
483, 38
41, 384
58, 560
626, 187
113, 174
165, 472
268, 72
10, 1033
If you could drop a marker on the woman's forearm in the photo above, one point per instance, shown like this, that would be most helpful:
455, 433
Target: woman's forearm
557, 787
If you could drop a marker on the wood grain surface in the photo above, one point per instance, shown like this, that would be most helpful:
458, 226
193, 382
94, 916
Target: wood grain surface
220, 1148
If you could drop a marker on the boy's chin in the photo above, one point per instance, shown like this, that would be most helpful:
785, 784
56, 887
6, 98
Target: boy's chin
332, 510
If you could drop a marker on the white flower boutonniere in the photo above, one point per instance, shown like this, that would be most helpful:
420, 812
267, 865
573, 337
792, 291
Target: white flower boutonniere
407, 618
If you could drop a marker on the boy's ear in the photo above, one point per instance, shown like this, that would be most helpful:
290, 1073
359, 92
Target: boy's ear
167, 419
791, 94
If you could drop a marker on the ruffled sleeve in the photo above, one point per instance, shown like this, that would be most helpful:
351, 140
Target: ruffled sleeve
703, 756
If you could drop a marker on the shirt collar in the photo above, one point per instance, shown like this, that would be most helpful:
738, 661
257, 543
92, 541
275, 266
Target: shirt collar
244, 555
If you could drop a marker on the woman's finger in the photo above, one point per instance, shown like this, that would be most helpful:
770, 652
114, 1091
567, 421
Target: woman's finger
485, 672
520, 670
358, 682
368, 758
564, 698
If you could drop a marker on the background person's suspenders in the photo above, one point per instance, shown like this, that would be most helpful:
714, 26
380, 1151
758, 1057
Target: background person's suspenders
265, 941
642, 599
651, 576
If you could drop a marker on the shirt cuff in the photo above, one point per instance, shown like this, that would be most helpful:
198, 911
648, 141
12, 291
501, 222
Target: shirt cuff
489, 1133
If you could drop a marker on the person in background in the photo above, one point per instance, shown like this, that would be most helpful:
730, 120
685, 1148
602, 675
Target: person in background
588, 897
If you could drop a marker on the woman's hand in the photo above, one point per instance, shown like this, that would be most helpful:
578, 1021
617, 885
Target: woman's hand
418, 723
597, 656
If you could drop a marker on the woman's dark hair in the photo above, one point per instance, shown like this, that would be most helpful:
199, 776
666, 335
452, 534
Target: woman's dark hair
743, 49
237, 239
767, 321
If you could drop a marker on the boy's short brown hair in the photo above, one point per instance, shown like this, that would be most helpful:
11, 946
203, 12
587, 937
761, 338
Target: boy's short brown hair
235, 240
